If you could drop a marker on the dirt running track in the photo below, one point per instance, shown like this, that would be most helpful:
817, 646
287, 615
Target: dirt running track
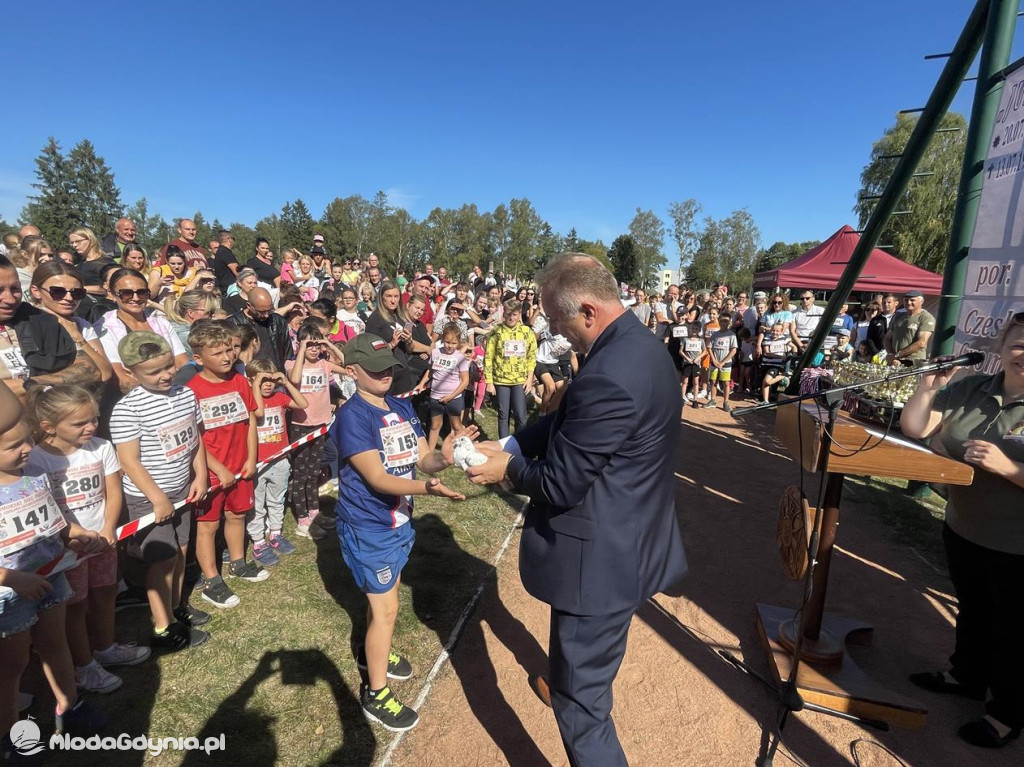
678, 703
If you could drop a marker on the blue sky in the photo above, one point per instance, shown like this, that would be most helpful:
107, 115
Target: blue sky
589, 109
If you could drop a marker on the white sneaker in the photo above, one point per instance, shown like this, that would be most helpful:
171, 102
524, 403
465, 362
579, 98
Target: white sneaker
302, 528
330, 487
122, 655
689, 396
95, 678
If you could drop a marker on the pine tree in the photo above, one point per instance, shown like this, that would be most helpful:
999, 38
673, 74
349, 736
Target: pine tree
95, 196
52, 209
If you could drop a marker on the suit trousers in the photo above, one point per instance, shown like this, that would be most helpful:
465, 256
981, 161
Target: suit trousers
585, 654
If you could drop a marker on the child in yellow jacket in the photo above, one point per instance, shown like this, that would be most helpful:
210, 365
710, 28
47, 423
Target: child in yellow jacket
509, 360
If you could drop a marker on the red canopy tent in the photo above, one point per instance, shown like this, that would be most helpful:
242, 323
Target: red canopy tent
821, 267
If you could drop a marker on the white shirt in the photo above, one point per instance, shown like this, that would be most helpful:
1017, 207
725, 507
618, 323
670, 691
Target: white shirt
111, 330
806, 320
79, 479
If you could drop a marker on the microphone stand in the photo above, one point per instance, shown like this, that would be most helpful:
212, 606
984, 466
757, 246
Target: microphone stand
789, 696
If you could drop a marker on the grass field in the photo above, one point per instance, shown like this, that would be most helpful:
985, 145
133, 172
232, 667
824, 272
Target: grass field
278, 676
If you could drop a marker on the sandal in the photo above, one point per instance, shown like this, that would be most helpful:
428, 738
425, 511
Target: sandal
935, 681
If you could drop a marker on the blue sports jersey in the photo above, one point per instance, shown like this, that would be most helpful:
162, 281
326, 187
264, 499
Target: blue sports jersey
395, 435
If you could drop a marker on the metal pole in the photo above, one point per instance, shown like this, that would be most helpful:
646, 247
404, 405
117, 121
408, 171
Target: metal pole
995, 55
957, 65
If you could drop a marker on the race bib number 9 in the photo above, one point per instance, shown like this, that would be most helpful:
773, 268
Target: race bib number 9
223, 410
400, 445
29, 520
271, 429
178, 439
515, 348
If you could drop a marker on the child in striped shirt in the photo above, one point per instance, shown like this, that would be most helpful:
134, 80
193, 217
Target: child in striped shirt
155, 430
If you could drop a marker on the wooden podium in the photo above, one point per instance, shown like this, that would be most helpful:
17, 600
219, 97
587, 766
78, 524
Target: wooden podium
826, 675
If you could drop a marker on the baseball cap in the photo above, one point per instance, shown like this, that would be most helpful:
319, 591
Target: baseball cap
913, 294
316, 251
318, 238
843, 332
371, 353
141, 346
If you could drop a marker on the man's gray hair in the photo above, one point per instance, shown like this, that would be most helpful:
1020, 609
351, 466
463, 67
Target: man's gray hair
571, 278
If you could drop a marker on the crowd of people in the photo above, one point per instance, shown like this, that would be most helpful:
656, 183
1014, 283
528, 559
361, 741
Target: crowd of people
734, 347
167, 384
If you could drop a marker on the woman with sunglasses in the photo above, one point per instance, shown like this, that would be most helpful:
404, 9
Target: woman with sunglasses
57, 289
777, 312
979, 419
131, 293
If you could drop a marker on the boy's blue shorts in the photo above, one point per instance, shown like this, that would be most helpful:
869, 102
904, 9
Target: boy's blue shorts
375, 557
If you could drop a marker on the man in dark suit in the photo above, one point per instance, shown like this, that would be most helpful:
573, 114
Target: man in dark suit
601, 534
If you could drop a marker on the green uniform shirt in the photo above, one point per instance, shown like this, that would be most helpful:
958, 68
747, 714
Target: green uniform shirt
905, 328
989, 512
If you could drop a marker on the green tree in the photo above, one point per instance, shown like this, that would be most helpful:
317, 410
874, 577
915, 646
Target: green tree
648, 233
549, 245
780, 253
273, 229
520, 258
345, 225
625, 260
151, 230
398, 237
94, 195
204, 232
572, 242
52, 207
299, 226
920, 236
727, 251
684, 229
245, 240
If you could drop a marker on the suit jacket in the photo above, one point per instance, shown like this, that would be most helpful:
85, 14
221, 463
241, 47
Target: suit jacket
601, 533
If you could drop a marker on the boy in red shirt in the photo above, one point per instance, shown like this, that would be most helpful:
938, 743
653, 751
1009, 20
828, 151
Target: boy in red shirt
228, 425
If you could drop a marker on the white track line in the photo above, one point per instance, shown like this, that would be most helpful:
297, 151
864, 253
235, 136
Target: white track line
453, 638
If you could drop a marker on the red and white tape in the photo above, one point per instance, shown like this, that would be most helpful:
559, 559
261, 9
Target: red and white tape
68, 559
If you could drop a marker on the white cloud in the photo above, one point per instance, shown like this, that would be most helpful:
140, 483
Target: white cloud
399, 198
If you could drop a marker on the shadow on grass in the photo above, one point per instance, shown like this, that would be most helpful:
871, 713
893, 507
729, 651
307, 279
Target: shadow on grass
444, 579
237, 720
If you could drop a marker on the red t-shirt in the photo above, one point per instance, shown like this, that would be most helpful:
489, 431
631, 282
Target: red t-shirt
195, 254
428, 310
225, 408
272, 428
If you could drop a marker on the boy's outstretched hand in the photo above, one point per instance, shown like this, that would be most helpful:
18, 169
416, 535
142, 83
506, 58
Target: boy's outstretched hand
438, 488
448, 446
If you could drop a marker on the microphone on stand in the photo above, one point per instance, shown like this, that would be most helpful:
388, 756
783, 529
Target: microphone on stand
970, 359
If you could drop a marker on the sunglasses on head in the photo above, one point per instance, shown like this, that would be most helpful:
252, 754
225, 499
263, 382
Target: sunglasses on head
58, 293
126, 294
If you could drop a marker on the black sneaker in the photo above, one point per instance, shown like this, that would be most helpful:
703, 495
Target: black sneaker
250, 571
218, 594
387, 711
133, 597
398, 667
80, 719
191, 616
178, 636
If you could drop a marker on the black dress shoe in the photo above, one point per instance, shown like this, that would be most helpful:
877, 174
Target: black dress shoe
935, 681
981, 733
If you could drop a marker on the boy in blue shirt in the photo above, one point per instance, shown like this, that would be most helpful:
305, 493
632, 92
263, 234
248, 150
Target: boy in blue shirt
380, 445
